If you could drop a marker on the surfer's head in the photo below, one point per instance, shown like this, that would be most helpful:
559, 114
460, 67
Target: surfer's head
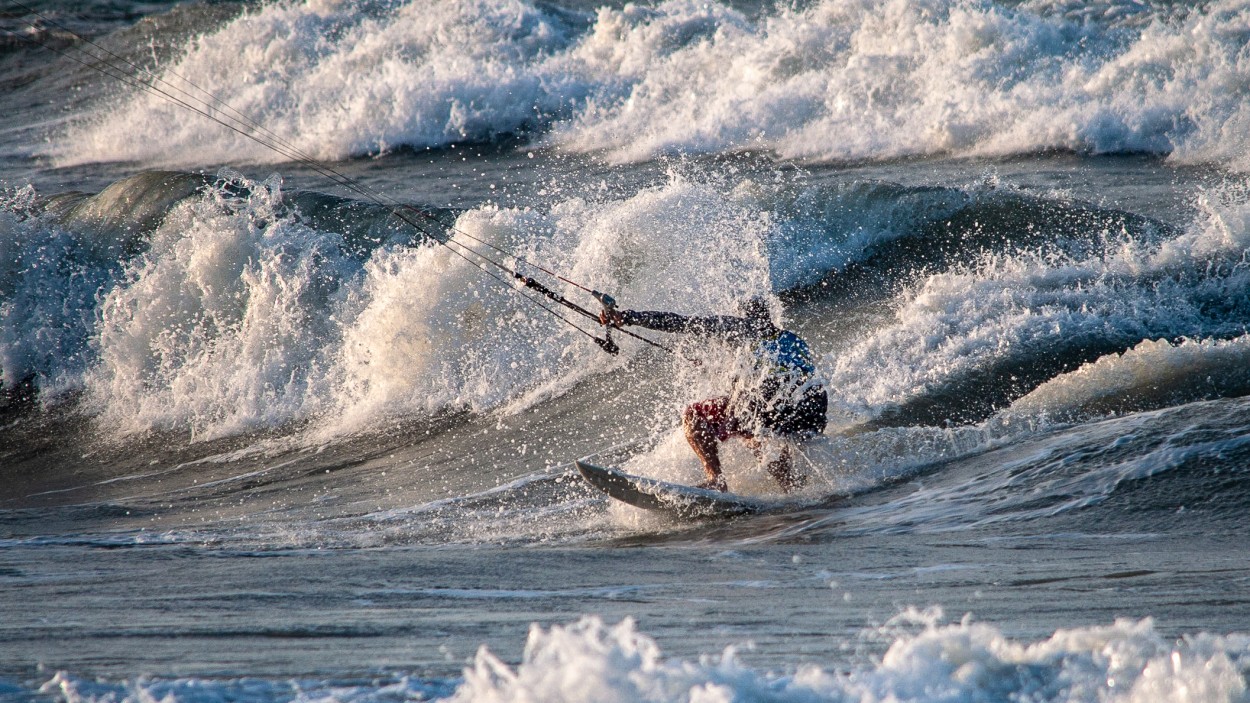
755, 309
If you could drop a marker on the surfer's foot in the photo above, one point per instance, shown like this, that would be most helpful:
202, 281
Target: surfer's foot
714, 484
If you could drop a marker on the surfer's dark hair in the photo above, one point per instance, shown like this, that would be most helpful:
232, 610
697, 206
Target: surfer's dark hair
755, 308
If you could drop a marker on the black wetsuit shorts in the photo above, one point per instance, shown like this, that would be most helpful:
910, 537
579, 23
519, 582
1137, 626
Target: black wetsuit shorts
801, 419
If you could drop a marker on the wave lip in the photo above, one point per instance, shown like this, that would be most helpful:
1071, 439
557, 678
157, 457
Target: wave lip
1153, 374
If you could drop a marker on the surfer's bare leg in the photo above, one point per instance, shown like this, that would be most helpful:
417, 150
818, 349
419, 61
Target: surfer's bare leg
702, 439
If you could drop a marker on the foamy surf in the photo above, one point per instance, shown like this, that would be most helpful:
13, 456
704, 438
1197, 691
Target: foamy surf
925, 659
835, 81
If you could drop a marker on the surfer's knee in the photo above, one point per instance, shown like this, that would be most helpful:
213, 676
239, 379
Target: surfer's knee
700, 431
689, 414
694, 418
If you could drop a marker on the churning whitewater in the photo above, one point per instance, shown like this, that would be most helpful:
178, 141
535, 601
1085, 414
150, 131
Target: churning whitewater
282, 419
835, 80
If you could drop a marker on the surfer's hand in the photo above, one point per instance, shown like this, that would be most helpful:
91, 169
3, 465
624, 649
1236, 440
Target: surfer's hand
611, 317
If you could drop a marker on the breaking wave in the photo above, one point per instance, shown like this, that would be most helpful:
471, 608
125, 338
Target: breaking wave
837, 80
230, 306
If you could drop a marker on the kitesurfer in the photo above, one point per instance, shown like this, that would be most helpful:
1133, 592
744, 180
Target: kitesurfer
780, 397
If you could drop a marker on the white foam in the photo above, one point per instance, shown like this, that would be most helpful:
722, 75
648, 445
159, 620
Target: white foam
927, 661
335, 78
221, 326
923, 659
836, 80
852, 80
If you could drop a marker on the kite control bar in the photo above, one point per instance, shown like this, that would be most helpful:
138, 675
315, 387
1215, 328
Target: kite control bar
605, 342
607, 301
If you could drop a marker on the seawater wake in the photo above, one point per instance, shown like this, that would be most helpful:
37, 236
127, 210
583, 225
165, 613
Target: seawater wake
924, 660
836, 80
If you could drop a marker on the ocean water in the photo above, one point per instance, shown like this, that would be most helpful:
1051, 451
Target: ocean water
263, 440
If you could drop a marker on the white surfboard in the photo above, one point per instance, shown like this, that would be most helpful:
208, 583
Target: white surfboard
671, 498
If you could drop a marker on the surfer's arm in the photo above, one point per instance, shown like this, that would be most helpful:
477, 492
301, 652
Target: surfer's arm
682, 324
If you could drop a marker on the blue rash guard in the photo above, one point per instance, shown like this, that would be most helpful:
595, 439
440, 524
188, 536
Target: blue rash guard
784, 394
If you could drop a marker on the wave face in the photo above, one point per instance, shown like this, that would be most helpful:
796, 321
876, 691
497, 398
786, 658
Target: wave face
974, 338
837, 80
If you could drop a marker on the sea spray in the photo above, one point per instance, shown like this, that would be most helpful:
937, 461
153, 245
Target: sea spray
240, 315
432, 330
